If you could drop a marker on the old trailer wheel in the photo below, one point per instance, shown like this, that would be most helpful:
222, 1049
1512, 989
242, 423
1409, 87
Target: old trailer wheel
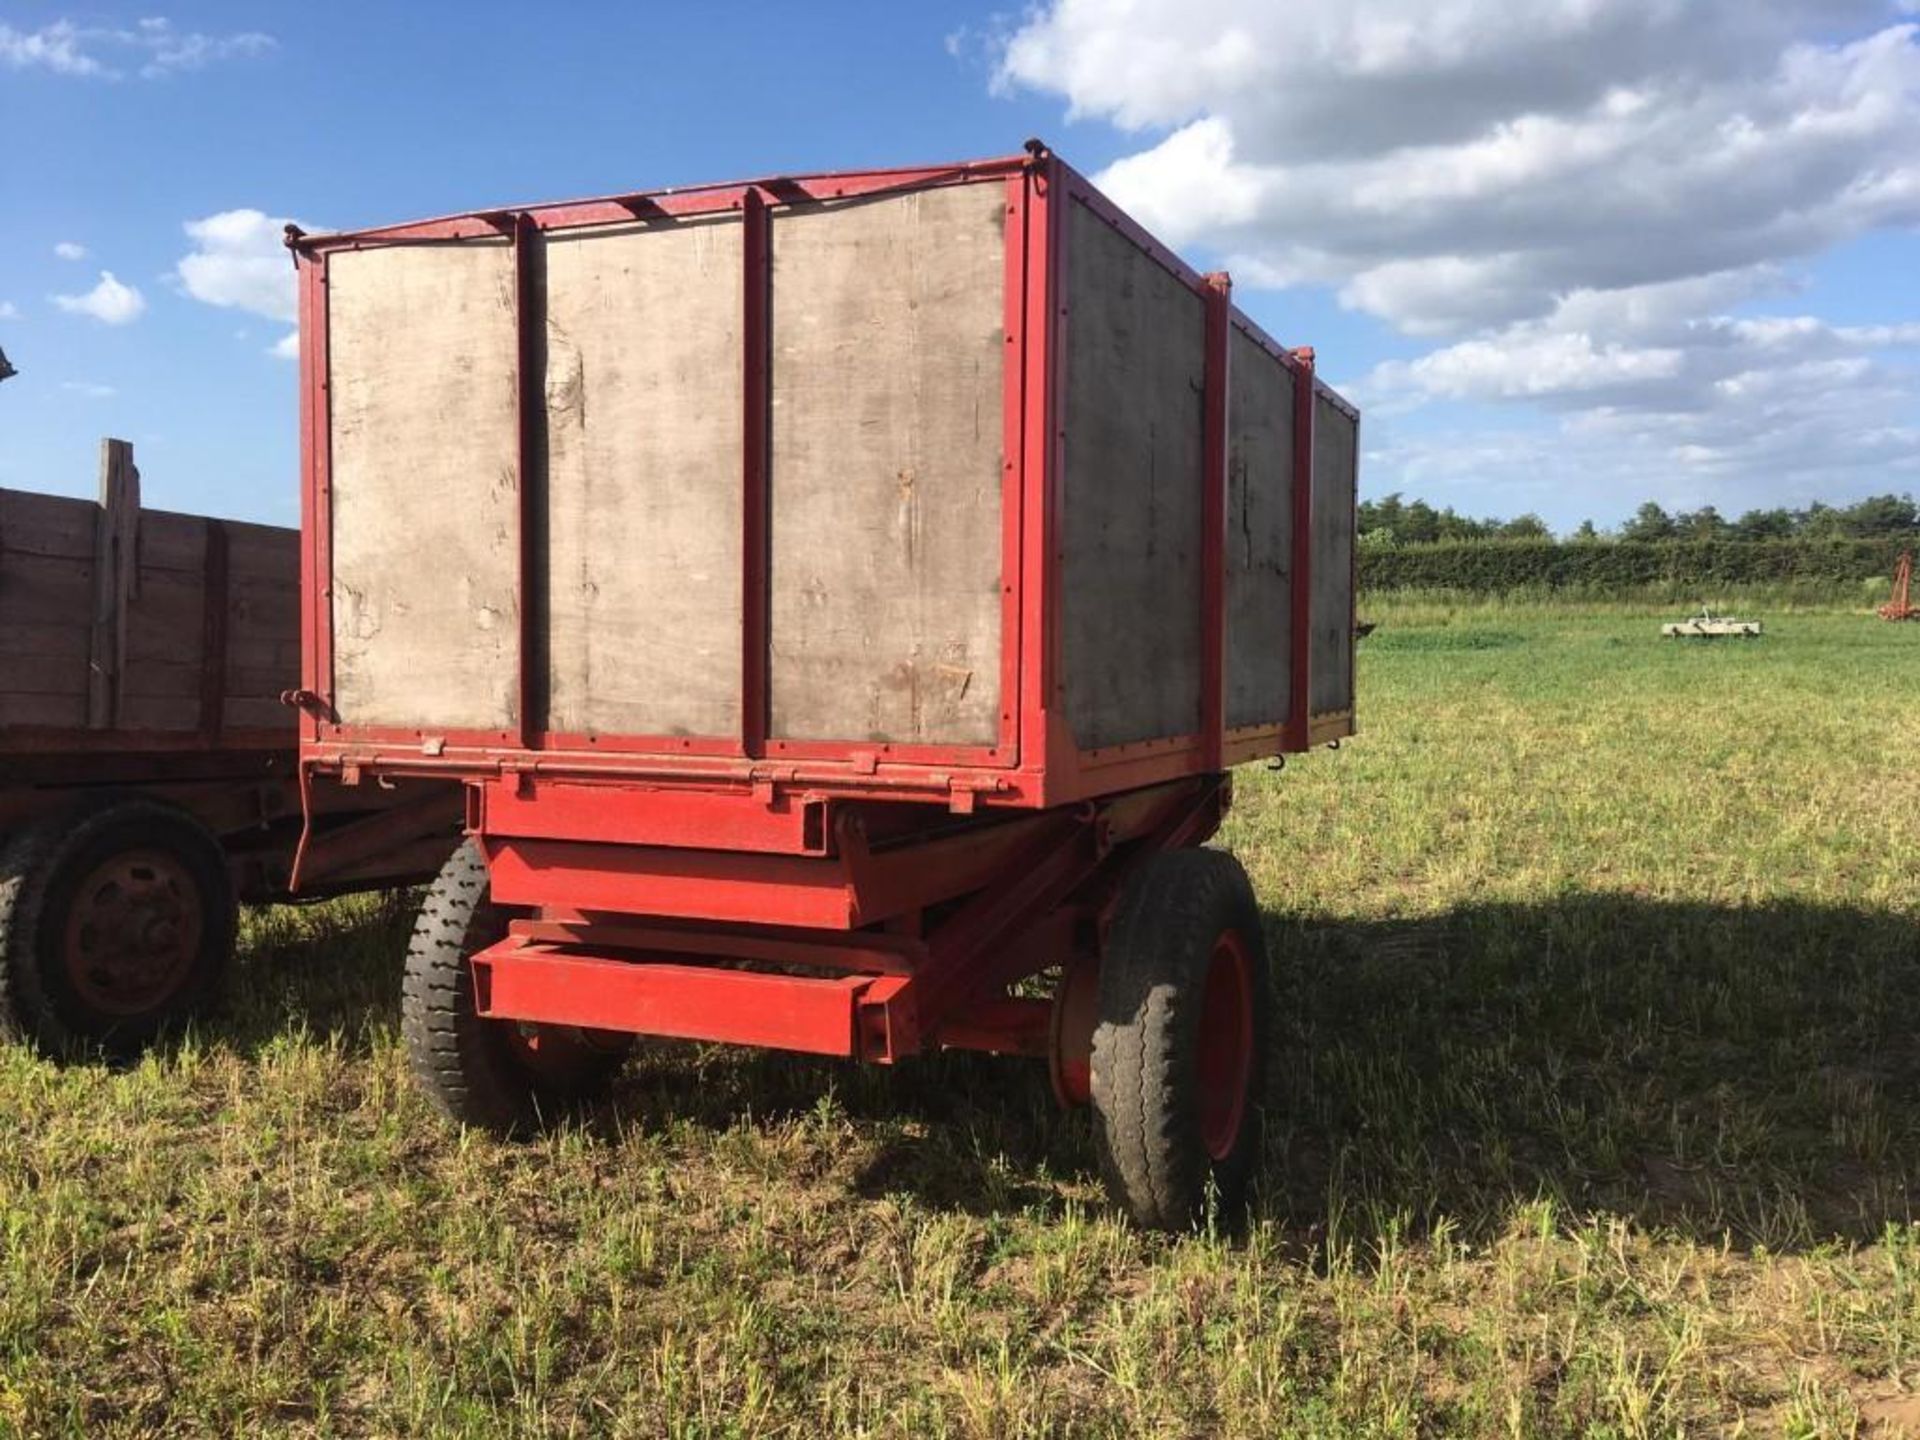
116, 922
1179, 1051
498, 1074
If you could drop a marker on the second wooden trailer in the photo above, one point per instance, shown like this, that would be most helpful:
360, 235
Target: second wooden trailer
843, 597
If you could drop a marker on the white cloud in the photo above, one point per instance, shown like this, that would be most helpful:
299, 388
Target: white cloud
56, 47
152, 48
1569, 197
287, 347
1441, 186
109, 302
169, 50
8, 310
89, 389
239, 260
70, 250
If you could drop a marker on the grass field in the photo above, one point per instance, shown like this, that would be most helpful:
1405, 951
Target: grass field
1597, 1112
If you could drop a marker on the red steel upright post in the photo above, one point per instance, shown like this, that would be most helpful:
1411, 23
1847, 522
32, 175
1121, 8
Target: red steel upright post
757, 247
1213, 523
530, 414
1300, 721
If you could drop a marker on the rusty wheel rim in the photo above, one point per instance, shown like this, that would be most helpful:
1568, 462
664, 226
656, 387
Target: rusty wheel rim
133, 932
1226, 1045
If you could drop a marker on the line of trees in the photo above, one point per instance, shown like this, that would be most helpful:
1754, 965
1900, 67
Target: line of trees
1394, 521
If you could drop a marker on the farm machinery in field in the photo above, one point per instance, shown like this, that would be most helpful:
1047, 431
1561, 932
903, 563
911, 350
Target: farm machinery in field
1900, 604
1709, 626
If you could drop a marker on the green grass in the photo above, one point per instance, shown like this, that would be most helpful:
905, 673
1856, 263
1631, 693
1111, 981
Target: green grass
1597, 1112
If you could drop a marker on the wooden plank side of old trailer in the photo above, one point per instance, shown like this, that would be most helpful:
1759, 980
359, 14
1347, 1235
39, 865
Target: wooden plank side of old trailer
127, 627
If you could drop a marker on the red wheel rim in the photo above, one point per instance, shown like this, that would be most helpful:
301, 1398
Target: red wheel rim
133, 932
1226, 1044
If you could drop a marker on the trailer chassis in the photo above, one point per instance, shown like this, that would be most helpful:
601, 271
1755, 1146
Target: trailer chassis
1097, 936
904, 945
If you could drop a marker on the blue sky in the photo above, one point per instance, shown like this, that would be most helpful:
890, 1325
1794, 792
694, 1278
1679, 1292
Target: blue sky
1537, 250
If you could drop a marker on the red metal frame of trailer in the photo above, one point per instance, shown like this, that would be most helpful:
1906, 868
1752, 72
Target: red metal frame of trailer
882, 898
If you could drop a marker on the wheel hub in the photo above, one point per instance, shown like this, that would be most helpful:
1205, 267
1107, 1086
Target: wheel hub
133, 932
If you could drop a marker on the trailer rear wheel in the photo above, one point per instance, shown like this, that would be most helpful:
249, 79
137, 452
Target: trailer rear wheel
500, 1075
1179, 1050
116, 923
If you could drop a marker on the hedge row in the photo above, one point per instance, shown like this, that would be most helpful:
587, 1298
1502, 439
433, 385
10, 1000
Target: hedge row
1623, 566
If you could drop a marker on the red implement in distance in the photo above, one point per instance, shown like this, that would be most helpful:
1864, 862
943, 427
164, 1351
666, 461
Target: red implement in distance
1900, 606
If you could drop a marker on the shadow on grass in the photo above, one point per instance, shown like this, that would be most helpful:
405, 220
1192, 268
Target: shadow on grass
1746, 1073
1723, 1072
331, 970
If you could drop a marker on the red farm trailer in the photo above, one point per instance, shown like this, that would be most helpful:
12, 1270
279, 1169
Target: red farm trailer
843, 597
148, 768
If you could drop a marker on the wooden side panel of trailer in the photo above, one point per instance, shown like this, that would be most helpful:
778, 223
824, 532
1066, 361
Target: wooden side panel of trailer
262, 625
426, 486
644, 386
885, 477
121, 621
1336, 440
46, 609
1131, 502
1259, 553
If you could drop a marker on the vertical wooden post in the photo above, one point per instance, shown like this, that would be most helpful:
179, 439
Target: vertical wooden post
215, 596
116, 554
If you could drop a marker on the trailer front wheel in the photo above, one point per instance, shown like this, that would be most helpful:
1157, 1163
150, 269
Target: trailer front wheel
500, 1075
1180, 1046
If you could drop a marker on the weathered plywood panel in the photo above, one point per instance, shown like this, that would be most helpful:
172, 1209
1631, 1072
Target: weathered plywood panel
425, 485
887, 366
1259, 535
1131, 513
644, 394
1335, 458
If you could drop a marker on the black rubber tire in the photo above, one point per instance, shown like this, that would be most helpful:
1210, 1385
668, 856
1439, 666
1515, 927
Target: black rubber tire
471, 1065
1146, 1043
41, 872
